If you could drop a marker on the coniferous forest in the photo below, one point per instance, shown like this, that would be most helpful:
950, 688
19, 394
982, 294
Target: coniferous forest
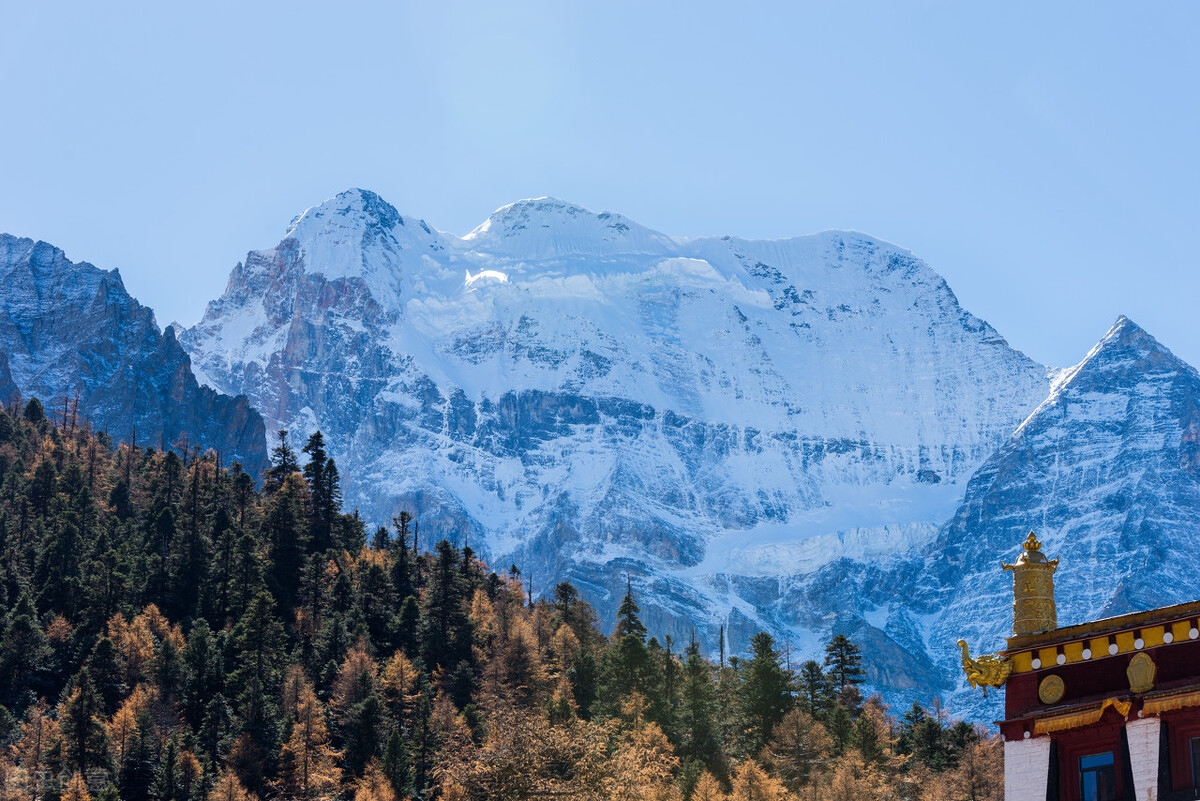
174, 630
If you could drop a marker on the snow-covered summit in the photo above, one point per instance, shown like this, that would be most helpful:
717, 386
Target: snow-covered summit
1126, 346
574, 392
358, 234
548, 228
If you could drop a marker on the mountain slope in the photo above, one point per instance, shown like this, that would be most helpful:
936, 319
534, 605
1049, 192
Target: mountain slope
71, 329
592, 399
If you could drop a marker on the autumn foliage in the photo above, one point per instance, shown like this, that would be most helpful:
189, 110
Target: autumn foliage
173, 629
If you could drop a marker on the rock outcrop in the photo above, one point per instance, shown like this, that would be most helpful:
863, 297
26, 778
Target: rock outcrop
70, 330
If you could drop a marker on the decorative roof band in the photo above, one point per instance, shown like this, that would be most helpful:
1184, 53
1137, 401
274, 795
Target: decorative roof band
1076, 719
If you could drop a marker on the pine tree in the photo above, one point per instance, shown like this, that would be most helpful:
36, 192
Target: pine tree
216, 729
122, 729
397, 764
765, 690
34, 412
751, 783
361, 728
228, 788
168, 780
583, 676
84, 736
203, 672
37, 742
402, 579
243, 491
25, 655
191, 552
446, 636
627, 659
324, 493
76, 789
107, 670
42, 488
406, 625
139, 760
283, 464
628, 622
871, 736
799, 746
814, 691
699, 741
840, 726
844, 661
257, 644
285, 530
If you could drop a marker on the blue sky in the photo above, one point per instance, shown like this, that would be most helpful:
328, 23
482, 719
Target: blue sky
1042, 157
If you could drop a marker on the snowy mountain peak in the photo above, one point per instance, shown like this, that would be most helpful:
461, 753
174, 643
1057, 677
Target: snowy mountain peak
548, 228
1125, 333
354, 208
1125, 351
359, 234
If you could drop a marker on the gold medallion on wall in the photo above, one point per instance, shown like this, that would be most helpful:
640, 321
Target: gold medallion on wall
1051, 690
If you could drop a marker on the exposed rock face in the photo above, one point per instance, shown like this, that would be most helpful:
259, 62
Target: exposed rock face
70, 329
9, 391
719, 418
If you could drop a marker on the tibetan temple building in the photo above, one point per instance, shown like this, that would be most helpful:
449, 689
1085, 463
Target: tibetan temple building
1100, 711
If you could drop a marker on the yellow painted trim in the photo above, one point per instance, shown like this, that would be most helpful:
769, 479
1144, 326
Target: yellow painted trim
1152, 637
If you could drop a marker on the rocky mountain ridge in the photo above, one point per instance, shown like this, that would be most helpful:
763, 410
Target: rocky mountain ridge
70, 329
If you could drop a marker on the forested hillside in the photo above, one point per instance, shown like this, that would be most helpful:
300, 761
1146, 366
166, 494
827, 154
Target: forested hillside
170, 631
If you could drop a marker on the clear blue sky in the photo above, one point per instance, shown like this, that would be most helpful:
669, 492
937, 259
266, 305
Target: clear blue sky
1041, 156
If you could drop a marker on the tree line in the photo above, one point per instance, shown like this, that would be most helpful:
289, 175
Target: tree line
170, 631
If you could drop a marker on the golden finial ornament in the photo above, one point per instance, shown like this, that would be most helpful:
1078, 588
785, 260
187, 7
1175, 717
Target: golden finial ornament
1033, 589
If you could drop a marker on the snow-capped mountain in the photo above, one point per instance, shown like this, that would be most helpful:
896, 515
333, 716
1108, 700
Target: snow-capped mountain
70, 329
1107, 472
573, 392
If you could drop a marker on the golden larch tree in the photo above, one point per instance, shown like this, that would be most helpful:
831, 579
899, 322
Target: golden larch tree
308, 765
228, 788
76, 789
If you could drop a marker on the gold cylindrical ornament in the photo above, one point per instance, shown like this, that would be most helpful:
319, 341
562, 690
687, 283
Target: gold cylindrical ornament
1033, 590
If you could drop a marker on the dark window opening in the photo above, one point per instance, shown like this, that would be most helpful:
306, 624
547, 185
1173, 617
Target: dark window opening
1195, 742
1098, 777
